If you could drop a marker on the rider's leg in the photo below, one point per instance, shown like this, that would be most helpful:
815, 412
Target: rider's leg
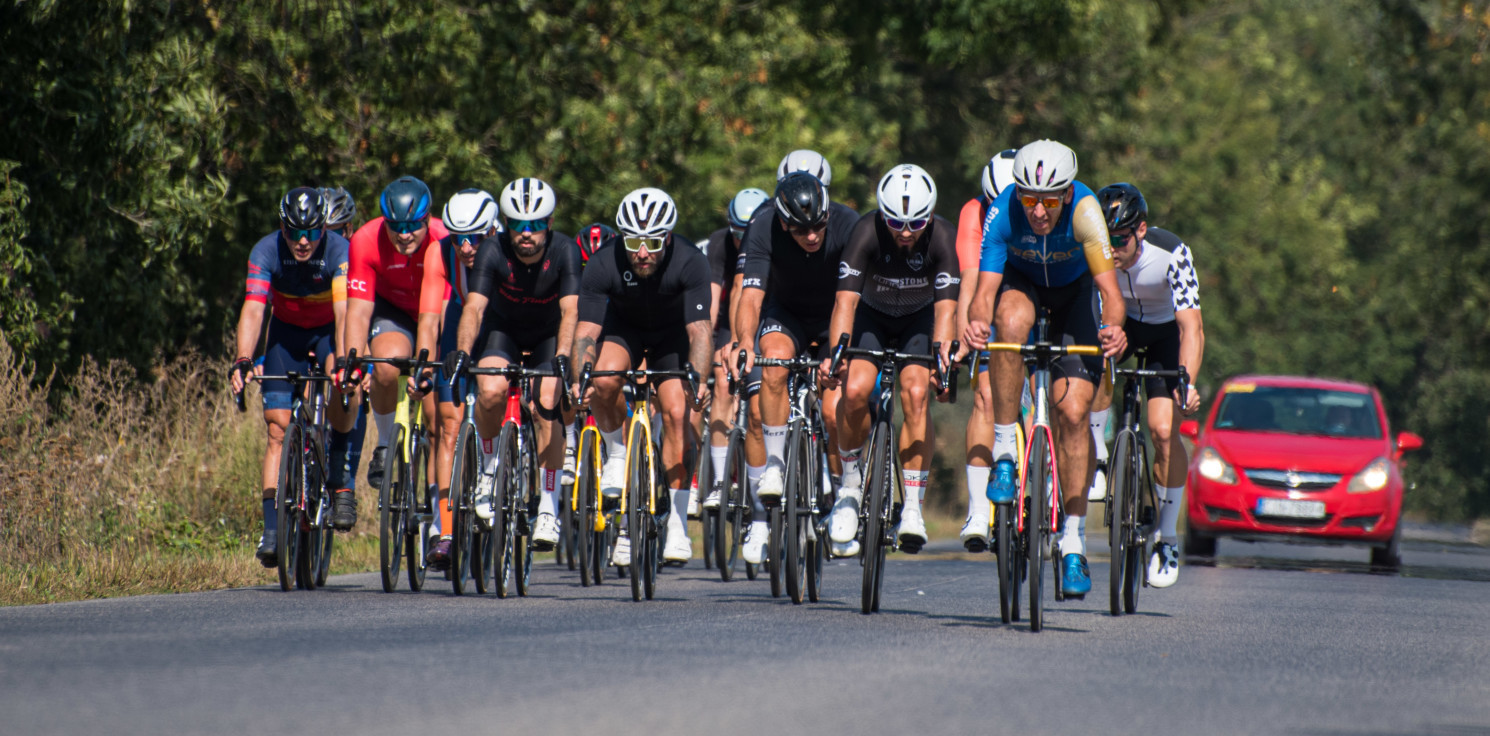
1073, 446
672, 396
1170, 462
979, 460
1014, 315
916, 440
1100, 416
608, 406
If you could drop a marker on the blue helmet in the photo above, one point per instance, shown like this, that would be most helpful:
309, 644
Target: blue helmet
405, 200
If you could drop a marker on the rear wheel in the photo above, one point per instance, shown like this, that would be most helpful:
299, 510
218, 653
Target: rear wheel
730, 519
798, 492
1119, 512
522, 543
1037, 534
416, 505
774, 552
328, 538
705, 480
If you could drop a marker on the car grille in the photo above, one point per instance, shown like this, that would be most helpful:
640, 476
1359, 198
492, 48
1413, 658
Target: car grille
1292, 479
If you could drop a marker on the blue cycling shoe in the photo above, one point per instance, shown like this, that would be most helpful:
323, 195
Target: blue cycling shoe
1076, 581
1001, 488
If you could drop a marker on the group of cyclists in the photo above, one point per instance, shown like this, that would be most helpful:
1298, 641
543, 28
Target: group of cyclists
490, 282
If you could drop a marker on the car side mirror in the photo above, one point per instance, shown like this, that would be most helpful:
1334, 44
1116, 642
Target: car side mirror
1407, 441
1190, 429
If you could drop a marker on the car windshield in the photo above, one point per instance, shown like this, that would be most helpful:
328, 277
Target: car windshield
1314, 411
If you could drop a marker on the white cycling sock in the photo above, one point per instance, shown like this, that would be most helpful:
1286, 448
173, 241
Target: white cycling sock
915, 490
719, 455
852, 482
1005, 442
384, 423
489, 456
615, 443
1071, 541
753, 478
677, 521
1170, 502
1098, 421
977, 491
571, 437
775, 437
548, 502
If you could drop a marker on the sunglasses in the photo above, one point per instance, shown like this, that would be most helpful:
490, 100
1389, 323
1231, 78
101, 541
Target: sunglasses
1120, 241
472, 239
799, 230
296, 235
738, 232
651, 245
1050, 202
914, 226
527, 226
404, 228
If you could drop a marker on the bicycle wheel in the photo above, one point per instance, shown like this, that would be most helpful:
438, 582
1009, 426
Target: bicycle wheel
1134, 554
417, 506
504, 511
1037, 535
583, 503
390, 514
309, 558
822, 500
704, 477
328, 538
730, 524
1008, 576
522, 541
874, 520
287, 495
798, 489
1119, 497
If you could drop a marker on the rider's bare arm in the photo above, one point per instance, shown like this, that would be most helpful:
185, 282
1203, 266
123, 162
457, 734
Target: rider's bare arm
568, 318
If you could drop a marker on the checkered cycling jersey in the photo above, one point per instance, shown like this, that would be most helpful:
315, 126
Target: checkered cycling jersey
1162, 281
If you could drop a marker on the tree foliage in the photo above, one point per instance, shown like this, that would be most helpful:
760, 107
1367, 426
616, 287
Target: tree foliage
1327, 160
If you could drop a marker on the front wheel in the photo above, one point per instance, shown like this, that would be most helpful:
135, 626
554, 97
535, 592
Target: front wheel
1037, 533
1005, 546
876, 521
1120, 499
291, 475
729, 520
390, 515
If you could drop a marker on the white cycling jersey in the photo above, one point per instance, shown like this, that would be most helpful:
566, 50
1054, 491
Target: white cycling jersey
1162, 281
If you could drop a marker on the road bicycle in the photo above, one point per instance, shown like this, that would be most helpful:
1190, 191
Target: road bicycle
302, 502
798, 524
645, 517
884, 483
735, 511
1131, 502
406, 503
1005, 541
703, 475
1039, 497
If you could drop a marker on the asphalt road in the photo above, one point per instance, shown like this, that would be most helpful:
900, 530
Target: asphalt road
1273, 639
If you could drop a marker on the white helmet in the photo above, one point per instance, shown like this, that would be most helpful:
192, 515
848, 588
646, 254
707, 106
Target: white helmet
1044, 166
745, 203
469, 211
906, 192
811, 162
527, 199
646, 213
998, 173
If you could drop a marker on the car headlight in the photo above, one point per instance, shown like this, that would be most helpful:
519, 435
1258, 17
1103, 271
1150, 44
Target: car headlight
1373, 478
1212, 467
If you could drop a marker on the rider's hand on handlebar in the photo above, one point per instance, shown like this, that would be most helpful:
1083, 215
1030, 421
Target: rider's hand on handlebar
455, 363
829, 380
976, 335
1114, 340
239, 373
1190, 402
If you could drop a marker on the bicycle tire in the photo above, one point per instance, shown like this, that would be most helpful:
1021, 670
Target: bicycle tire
417, 506
729, 519
822, 488
286, 494
309, 558
874, 518
390, 521
636, 507
1004, 545
504, 510
1117, 511
328, 542
1037, 534
704, 477
588, 541
798, 486
525, 501
1134, 554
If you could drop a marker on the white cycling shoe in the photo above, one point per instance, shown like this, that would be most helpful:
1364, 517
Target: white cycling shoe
1098, 490
975, 533
679, 547
712, 501
693, 500
843, 526
911, 532
545, 532
485, 497
844, 549
612, 477
1164, 565
754, 550
621, 556
771, 484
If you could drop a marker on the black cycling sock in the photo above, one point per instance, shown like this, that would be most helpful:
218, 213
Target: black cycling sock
270, 520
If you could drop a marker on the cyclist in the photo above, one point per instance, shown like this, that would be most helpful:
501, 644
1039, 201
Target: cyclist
522, 308
386, 273
645, 296
470, 217
897, 288
1156, 273
341, 218
1045, 243
589, 240
303, 270
998, 174
796, 251
725, 249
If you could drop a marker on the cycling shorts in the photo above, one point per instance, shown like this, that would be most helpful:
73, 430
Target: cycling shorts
911, 333
289, 349
387, 318
1074, 310
1161, 344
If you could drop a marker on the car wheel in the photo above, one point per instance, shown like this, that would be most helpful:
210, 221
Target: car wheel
1199, 545
1388, 556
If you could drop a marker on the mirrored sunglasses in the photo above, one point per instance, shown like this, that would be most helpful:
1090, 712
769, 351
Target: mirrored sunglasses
296, 234
404, 228
652, 245
527, 226
911, 225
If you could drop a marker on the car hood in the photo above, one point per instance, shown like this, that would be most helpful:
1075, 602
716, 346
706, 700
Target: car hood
1281, 451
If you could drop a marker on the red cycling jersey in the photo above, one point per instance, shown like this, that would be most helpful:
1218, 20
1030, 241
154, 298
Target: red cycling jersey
376, 269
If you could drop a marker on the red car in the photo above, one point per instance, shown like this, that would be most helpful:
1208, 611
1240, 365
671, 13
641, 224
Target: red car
1294, 457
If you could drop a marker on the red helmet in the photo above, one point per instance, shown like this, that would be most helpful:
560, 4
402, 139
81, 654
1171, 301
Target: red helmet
591, 237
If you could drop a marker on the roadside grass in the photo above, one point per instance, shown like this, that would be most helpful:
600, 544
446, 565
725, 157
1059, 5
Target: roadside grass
123, 484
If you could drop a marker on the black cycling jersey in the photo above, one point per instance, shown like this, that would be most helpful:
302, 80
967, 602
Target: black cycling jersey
522, 295
724, 262
896, 281
676, 295
802, 283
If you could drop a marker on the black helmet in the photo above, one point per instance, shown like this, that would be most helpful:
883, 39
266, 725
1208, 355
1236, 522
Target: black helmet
302, 209
405, 200
1122, 206
801, 200
591, 238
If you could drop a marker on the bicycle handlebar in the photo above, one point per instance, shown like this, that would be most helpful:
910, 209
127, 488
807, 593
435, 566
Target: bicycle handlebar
1041, 348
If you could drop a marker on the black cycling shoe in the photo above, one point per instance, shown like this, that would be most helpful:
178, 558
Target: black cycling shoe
265, 552
375, 467
344, 510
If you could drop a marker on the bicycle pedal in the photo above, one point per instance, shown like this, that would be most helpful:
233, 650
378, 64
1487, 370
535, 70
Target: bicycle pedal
675, 563
1073, 597
975, 545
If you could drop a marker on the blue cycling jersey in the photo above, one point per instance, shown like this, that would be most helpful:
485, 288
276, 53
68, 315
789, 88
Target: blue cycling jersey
1076, 245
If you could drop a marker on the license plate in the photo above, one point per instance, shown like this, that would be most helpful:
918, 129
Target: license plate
1290, 508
